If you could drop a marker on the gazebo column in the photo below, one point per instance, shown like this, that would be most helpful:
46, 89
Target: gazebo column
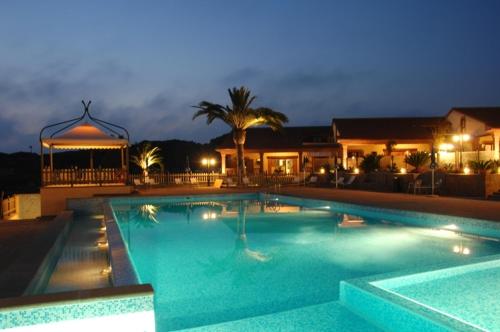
301, 164
42, 165
127, 164
91, 166
261, 157
51, 160
496, 144
122, 154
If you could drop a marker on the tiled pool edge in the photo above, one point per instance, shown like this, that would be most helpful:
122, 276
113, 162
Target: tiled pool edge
478, 227
122, 270
393, 312
67, 310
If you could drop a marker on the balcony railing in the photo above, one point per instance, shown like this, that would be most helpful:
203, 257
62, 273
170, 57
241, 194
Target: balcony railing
76, 176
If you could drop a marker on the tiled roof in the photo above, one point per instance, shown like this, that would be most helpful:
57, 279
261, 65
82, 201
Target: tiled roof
288, 138
386, 128
489, 115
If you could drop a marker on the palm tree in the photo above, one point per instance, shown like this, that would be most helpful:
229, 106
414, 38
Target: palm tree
146, 157
240, 116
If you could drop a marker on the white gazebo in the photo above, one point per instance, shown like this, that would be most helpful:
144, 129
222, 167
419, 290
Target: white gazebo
83, 133
74, 135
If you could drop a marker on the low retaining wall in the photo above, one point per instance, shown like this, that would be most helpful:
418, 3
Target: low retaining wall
471, 185
53, 199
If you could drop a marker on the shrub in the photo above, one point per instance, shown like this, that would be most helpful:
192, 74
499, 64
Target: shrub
481, 166
447, 167
370, 162
417, 160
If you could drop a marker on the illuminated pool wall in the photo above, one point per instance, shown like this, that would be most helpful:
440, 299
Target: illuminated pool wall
123, 309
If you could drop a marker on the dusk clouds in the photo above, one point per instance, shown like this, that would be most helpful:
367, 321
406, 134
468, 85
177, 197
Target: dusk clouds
145, 65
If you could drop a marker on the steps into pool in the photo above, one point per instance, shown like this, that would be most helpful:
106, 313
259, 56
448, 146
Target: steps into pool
330, 316
462, 298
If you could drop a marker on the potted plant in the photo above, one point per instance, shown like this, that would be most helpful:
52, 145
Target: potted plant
481, 166
418, 160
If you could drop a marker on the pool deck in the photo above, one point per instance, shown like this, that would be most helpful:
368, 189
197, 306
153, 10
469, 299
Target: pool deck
462, 207
23, 245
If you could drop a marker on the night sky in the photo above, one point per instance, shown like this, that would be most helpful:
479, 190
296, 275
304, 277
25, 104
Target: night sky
144, 63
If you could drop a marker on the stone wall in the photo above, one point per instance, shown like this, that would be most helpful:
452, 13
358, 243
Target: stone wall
28, 206
53, 199
492, 184
463, 185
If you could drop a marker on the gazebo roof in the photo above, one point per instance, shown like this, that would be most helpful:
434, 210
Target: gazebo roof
84, 136
70, 136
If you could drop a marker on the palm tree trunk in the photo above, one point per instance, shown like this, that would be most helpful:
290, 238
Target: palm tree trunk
239, 137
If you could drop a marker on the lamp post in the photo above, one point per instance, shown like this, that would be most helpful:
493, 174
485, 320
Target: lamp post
208, 162
461, 138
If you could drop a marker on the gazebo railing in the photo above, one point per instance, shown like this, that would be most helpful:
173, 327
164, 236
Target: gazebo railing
83, 176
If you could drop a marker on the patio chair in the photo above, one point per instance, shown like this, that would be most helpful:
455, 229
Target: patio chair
412, 186
246, 182
296, 180
418, 187
217, 183
313, 180
340, 181
230, 182
349, 181
177, 180
151, 181
137, 182
194, 181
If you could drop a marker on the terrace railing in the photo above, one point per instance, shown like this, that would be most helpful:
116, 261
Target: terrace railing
9, 207
77, 176
202, 178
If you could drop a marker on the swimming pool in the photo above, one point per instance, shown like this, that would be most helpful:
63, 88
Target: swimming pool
216, 259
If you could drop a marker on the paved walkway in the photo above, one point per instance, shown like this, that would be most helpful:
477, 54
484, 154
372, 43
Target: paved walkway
23, 246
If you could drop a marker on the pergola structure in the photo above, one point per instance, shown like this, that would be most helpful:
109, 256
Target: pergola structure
80, 134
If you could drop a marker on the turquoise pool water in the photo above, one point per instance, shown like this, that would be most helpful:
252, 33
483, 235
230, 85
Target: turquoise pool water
216, 260
467, 293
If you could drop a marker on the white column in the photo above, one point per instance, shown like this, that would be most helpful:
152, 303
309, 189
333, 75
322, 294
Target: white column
344, 156
223, 163
496, 140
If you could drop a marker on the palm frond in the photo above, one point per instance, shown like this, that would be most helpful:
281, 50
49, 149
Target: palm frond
147, 156
267, 116
211, 111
